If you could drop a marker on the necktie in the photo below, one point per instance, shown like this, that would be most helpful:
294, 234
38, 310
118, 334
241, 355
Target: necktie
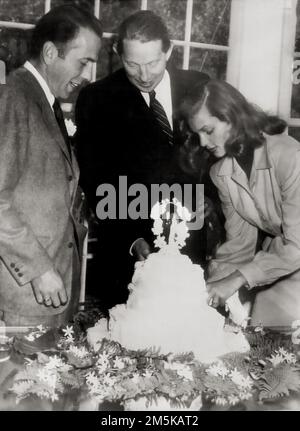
161, 116
61, 122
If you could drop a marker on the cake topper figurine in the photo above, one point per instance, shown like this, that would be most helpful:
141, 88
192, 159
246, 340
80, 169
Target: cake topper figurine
170, 216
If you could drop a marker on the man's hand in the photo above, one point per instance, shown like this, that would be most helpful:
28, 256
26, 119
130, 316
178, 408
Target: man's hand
219, 291
141, 249
49, 289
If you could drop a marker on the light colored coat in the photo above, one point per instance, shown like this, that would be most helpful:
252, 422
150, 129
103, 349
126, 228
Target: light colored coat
39, 228
270, 201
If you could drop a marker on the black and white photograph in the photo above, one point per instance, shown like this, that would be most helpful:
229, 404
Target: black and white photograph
149, 208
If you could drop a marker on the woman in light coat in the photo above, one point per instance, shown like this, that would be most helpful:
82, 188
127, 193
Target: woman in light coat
258, 180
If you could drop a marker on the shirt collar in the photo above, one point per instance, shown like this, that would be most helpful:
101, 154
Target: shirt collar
162, 88
261, 160
50, 97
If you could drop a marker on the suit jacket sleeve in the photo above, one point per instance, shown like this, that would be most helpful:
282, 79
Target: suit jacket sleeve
19, 248
241, 236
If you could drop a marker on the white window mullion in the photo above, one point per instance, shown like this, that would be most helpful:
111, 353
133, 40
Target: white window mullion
187, 34
97, 15
144, 5
47, 6
97, 8
20, 25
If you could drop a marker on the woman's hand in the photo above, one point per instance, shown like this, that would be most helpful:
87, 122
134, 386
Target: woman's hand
219, 291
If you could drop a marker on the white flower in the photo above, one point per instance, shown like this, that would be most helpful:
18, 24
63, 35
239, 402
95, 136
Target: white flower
70, 126
30, 337
233, 399
69, 339
108, 380
218, 370
148, 374
276, 359
221, 401
102, 363
119, 363
54, 362
91, 378
135, 378
245, 395
47, 376
240, 380
68, 331
79, 352
187, 373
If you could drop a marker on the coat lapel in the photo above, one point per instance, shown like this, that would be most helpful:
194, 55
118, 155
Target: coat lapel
40, 98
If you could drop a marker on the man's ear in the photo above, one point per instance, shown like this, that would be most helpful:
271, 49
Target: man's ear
49, 52
115, 47
169, 52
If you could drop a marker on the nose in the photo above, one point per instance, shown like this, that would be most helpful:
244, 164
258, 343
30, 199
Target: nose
87, 72
144, 73
203, 140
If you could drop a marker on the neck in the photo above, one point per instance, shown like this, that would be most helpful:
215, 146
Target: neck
246, 160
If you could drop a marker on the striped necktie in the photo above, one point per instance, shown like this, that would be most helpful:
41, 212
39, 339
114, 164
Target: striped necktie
61, 122
161, 116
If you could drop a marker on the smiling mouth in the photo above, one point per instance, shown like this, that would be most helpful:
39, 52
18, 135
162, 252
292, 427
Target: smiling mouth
74, 84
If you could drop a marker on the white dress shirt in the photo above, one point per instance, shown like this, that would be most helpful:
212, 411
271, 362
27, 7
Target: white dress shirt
41, 81
163, 95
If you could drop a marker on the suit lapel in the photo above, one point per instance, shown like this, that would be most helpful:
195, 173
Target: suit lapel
41, 100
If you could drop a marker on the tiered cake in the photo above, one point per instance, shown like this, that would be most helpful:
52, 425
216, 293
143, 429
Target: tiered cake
167, 308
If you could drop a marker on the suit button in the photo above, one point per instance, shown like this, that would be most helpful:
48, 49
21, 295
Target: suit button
70, 245
12, 265
20, 274
70, 177
17, 270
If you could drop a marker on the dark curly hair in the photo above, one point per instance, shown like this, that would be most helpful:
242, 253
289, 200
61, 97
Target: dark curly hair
226, 103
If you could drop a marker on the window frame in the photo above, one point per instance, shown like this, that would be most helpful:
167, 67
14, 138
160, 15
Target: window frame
186, 43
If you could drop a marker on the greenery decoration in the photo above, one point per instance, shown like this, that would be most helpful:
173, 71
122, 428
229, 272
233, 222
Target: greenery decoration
115, 374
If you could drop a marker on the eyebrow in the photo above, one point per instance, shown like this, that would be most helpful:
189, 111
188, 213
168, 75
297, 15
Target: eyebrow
93, 60
144, 64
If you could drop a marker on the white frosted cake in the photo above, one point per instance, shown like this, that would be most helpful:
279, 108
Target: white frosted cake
167, 308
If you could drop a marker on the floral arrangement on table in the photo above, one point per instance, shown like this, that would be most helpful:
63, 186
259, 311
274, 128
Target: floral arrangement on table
111, 373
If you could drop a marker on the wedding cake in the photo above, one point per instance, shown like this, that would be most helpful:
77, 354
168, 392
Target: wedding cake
167, 307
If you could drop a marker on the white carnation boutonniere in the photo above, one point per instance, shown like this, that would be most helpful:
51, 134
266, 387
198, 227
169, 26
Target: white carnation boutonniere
70, 126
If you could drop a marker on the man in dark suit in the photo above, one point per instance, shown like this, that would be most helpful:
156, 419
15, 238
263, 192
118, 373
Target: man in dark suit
40, 229
120, 134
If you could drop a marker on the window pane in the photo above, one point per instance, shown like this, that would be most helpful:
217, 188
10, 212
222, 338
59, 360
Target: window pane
17, 43
108, 61
297, 41
212, 62
173, 13
295, 132
176, 59
295, 102
113, 12
211, 21
89, 4
27, 11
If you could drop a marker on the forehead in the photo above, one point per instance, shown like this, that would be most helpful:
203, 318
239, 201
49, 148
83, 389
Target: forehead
86, 43
201, 117
142, 52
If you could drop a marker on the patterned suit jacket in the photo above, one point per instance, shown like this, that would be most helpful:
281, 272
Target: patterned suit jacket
38, 198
